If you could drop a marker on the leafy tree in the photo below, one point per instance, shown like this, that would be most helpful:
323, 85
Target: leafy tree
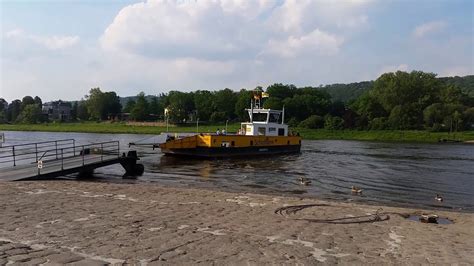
225, 101
469, 118
434, 115
180, 105
13, 110
273, 103
27, 100
82, 111
314, 121
379, 123
74, 111
281, 91
140, 110
31, 114
405, 117
100, 104
205, 105
333, 123
3, 109
243, 102
129, 106
155, 106
38, 102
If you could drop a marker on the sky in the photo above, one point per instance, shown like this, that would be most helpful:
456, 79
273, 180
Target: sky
61, 49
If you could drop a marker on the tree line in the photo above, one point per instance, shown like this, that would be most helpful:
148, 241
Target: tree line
400, 100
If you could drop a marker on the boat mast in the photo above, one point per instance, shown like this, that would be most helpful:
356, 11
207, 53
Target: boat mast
283, 115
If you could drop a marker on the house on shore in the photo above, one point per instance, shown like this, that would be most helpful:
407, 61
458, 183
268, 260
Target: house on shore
57, 110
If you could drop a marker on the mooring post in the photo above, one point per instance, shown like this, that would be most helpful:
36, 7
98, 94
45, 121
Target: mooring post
36, 151
101, 152
13, 151
82, 155
56, 145
73, 148
62, 160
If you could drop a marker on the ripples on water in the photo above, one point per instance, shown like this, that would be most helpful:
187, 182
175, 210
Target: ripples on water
389, 173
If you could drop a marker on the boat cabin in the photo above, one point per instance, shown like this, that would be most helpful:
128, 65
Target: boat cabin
265, 122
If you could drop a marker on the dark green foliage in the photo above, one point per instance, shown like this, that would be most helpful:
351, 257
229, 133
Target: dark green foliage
31, 114
129, 106
101, 105
140, 110
333, 123
13, 110
82, 112
314, 121
243, 101
347, 92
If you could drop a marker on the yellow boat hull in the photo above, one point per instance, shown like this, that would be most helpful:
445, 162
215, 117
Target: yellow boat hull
231, 145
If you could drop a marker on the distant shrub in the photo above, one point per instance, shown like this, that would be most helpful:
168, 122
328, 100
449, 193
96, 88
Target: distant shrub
333, 123
314, 121
293, 122
379, 123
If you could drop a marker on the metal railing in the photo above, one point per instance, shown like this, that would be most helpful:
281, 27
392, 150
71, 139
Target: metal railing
14, 155
56, 153
88, 153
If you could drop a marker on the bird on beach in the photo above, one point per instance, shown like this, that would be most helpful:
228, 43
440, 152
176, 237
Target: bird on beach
356, 190
438, 198
304, 181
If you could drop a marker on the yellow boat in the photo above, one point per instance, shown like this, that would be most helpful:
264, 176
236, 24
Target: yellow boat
265, 134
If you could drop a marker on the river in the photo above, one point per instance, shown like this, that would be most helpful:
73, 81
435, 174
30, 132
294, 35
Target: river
401, 174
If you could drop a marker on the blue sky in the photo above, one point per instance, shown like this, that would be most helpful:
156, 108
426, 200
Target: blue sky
61, 49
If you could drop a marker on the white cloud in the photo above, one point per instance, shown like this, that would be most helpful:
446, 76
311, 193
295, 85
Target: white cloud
393, 68
316, 42
457, 71
232, 29
48, 42
429, 28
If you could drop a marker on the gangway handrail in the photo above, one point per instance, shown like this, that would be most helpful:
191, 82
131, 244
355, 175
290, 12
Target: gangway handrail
42, 142
39, 151
114, 148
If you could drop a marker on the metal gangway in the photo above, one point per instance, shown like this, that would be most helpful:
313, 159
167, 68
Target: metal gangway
56, 158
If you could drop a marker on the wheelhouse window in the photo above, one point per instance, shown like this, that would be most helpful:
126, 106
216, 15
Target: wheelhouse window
261, 131
274, 118
260, 117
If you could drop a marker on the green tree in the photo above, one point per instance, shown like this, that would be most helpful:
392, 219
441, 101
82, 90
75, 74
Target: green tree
469, 118
140, 110
333, 123
13, 110
38, 102
225, 101
156, 107
243, 102
102, 104
204, 103
74, 111
27, 100
434, 115
82, 111
181, 104
129, 106
314, 121
31, 114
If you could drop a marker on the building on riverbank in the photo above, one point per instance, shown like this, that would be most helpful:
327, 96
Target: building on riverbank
57, 110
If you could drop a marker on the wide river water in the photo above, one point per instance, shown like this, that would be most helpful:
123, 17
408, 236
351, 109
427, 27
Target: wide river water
401, 174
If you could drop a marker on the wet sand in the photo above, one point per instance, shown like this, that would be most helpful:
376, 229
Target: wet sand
88, 223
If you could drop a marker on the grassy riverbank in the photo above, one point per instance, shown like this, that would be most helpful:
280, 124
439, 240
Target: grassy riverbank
378, 135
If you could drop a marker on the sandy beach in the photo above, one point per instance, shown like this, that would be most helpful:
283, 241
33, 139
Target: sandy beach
89, 223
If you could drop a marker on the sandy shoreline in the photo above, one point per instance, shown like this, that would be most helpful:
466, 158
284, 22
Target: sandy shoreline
96, 223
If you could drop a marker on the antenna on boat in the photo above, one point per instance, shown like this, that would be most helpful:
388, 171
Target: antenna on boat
283, 115
251, 110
